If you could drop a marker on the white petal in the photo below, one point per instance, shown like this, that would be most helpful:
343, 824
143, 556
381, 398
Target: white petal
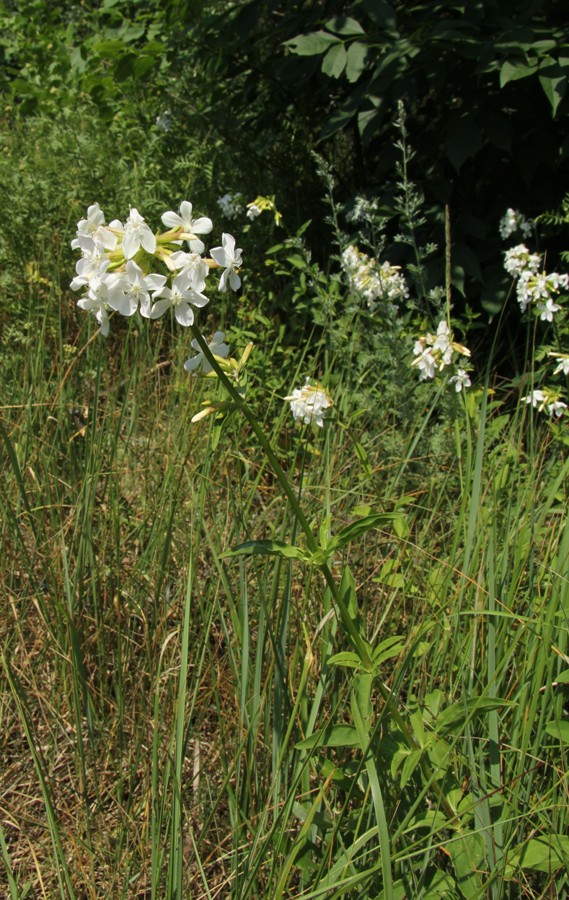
130, 244
160, 307
184, 315
147, 239
172, 220
203, 225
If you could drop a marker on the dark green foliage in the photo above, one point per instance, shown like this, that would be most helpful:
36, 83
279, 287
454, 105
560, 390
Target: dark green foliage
484, 86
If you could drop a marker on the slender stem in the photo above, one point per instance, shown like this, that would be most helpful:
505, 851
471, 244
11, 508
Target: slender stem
311, 541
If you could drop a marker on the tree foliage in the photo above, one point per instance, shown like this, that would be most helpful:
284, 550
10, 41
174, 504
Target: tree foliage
484, 85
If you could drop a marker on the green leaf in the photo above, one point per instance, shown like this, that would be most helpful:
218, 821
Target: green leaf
554, 83
543, 854
311, 44
467, 856
346, 658
334, 62
513, 71
412, 760
344, 25
390, 647
369, 122
265, 548
347, 534
348, 592
356, 61
331, 736
433, 819
456, 715
559, 729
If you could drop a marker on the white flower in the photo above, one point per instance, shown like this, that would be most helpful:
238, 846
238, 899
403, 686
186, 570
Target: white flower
547, 310
164, 121
540, 288
192, 265
217, 347
518, 259
563, 364
460, 380
190, 227
179, 297
230, 205
253, 211
92, 265
131, 289
137, 234
309, 403
230, 258
434, 352
94, 226
96, 302
372, 281
426, 364
535, 398
442, 341
546, 401
513, 221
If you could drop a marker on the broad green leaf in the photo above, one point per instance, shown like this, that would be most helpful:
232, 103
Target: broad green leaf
265, 548
559, 729
356, 61
434, 820
455, 715
334, 61
369, 122
311, 44
513, 71
331, 736
542, 854
129, 32
467, 856
344, 25
412, 760
553, 80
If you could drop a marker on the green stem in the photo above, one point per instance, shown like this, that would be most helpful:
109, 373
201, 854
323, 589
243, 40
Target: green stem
359, 644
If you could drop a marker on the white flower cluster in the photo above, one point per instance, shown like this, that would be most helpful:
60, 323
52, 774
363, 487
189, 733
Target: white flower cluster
534, 287
309, 403
231, 205
546, 400
115, 269
436, 352
513, 221
374, 282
